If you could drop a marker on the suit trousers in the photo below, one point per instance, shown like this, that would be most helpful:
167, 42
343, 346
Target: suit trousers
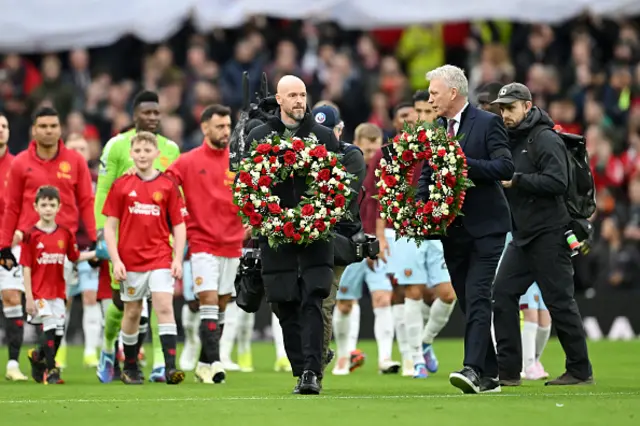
472, 264
297, 279
546, 260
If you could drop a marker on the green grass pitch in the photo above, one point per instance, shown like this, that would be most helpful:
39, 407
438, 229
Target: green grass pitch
363, 398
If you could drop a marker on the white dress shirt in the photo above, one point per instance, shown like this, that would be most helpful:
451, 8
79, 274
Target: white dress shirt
458, 119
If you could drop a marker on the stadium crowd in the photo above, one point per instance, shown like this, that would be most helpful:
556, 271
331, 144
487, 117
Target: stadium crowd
585, 73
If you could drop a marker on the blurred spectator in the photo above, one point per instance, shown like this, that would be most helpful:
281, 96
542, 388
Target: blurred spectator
53, 88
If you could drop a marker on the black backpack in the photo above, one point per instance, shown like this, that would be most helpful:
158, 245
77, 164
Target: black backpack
580, 197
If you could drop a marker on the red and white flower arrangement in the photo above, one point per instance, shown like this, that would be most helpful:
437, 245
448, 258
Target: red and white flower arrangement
277, 158
417, 219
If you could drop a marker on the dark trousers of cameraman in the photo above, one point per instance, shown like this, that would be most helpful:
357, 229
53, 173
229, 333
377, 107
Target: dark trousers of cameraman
547, 261
297, 279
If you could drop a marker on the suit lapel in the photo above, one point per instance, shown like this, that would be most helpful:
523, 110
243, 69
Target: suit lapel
468, 118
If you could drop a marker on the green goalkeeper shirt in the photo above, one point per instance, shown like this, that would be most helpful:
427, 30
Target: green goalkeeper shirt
116, 161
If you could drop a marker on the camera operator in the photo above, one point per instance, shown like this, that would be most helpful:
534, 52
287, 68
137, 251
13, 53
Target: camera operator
348, 231
299, 301
539, 250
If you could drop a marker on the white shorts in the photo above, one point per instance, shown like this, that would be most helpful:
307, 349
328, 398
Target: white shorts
214, 273
12, 280
140, 285
70, 272
50, 313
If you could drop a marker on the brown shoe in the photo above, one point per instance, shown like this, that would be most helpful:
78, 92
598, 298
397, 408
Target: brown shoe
567, 379
510, 382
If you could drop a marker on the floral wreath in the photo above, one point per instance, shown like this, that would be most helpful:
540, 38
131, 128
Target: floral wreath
277, 158
420, 220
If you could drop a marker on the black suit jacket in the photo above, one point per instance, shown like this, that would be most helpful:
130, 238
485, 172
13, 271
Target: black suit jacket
485, 142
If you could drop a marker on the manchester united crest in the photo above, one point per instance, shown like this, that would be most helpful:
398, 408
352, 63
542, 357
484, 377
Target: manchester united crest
157, 196
64, 167
198, 280
131, 291
164, 161
60, 244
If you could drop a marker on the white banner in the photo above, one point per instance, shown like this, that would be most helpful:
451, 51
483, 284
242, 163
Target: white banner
50, 25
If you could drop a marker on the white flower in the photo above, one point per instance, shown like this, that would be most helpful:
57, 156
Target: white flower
314, 174
430, 134
437, 196
332, 181
264, 189
318, 203
315, 233
410, 138
290, 213
383, 215
452, 148
452, 160
337, 211
307, 229
431, 188
257, 203
444, 171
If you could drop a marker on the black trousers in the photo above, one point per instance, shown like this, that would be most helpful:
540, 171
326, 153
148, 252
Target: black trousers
472, 264
297, 279
547, 261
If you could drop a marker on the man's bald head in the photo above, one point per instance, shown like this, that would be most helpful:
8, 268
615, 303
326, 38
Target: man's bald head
292, 98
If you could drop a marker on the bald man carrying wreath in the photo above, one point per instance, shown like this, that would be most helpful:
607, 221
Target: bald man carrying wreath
298, 277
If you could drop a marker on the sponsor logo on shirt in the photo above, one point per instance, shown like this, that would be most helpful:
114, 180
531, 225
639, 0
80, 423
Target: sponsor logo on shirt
144, 209
51, 258
63, 170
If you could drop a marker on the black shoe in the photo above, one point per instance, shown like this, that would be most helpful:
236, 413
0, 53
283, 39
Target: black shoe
174, 376
568, 379
309, 383
131, 377
510, 382
52, 377
117, 372
296, 388
38, 367
466, 380
490, 385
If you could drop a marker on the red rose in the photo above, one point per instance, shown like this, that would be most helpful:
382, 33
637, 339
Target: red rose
390, 180
245, 178
276, 148
319, 225
422, 136
298, 145
334, 161
341, 187
263, 148
255, 219
248, 209
407, 156
272, 159
259, 159
307, 210
289, 230
264, 181
333, 220
289, 158
339, 201
297, 237
324, 175
399, 197
428, 208
320, 151
442, 152
324, 189
449, 200
274, 208
451, 181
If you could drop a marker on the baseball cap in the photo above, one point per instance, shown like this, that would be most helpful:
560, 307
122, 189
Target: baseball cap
513, 92
326, 116
489, 92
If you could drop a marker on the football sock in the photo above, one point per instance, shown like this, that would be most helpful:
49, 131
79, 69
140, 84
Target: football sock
58, 340
168, 336
278, 338
158, 351
142, 332
439, 317
15, 330
354, 328
426, 311
188, 324
246, 322
209, 334
91, 325
130, 343
542, 337
230, 331
383, 331
49, 348
413, 326
401, 332
113, 319
341, 325
529, 344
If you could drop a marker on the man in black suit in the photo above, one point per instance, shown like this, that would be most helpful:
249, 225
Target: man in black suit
474, 241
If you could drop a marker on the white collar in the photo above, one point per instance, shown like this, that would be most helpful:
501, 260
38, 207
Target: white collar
458, 116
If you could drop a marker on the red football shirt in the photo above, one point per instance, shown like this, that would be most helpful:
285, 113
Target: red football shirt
104, 281
44, 253
147, 210
5, 166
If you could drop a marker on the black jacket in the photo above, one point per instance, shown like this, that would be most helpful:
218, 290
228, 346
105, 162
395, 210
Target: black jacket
353, 161
291, 190
540, 181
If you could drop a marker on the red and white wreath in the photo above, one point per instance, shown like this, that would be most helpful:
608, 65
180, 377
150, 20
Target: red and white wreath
277, 158
414, 219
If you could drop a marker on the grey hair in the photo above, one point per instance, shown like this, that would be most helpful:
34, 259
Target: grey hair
452, 76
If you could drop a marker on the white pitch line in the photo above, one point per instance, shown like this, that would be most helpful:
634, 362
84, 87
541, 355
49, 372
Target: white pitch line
309, 398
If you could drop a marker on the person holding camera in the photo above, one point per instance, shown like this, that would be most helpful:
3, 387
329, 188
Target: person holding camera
298, 278
540, 250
